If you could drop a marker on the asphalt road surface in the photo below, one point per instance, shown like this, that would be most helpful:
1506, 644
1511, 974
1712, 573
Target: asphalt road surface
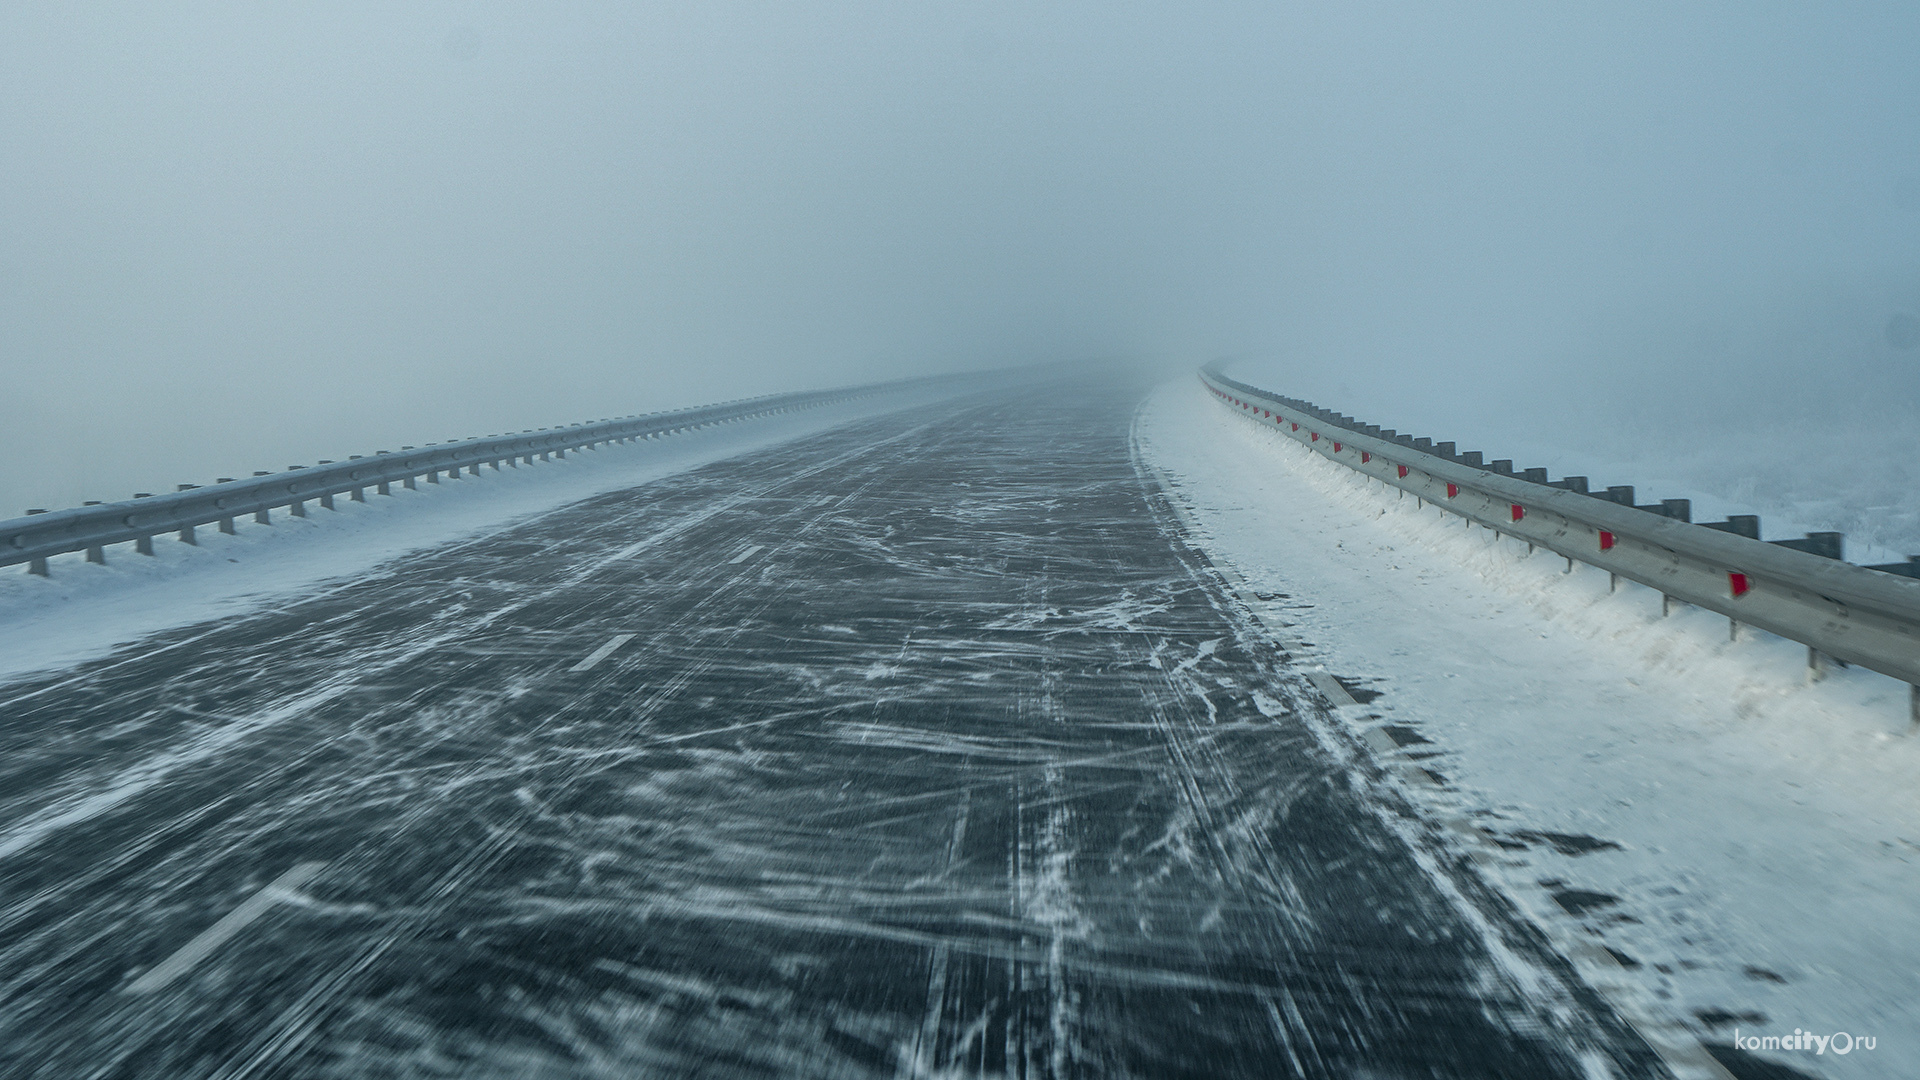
923, 747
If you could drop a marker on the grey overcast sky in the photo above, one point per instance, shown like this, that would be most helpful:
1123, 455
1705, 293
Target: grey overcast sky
248, 235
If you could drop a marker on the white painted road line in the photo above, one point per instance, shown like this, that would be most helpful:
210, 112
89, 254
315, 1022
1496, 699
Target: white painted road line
213, 936
602, 652
745, 555
1330, 686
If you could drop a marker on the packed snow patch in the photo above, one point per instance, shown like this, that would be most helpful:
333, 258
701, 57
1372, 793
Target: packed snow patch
1744, 845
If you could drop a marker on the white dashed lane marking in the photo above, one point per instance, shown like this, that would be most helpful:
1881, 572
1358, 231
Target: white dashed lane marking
214, 936
744, 556
602, 652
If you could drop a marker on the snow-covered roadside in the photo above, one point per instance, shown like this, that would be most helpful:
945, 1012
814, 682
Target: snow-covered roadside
83, 610
1748, 845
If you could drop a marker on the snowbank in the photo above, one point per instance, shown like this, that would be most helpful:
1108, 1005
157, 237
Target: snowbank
1746, 844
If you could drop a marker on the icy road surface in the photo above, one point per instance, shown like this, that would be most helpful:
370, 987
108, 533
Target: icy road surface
921, 747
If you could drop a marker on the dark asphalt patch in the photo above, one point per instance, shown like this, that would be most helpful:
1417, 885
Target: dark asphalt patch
1564, 843
1578, 902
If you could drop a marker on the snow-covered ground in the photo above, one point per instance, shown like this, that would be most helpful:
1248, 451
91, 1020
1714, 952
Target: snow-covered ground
82, 610
1745, 843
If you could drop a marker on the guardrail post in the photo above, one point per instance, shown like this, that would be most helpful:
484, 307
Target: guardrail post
326, 500
97, 554
409, 484
1816, 665
1666, 605
298, 508
1747, 525
187, 537
38, 567
226, 525
143, 545
262, 517
359, 495
433, 476
1913, 704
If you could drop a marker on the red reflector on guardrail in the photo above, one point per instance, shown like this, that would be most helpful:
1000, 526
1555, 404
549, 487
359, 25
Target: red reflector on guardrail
1296, 427
1403, 472
1606, 541
1365, 457
1336, 448
1315, 436
1739, 583
1519, 511
1452, 490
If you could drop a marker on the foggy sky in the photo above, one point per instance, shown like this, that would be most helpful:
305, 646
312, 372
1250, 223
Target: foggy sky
246, 236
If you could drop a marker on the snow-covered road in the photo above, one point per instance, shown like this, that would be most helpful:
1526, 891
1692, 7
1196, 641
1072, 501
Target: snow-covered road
1743, 848
925, 746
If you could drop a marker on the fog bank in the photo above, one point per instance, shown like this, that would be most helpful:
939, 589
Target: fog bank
242, 238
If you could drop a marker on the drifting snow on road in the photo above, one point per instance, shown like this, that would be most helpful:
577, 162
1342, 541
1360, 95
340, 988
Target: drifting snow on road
925, 747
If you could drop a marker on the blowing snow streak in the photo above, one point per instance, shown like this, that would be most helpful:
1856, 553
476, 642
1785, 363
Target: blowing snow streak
969, 766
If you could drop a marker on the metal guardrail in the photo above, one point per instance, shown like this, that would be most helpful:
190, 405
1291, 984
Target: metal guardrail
1797, 589
91, 528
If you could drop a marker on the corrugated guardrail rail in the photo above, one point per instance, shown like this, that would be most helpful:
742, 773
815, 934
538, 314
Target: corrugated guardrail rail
32, 539
1798, 589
